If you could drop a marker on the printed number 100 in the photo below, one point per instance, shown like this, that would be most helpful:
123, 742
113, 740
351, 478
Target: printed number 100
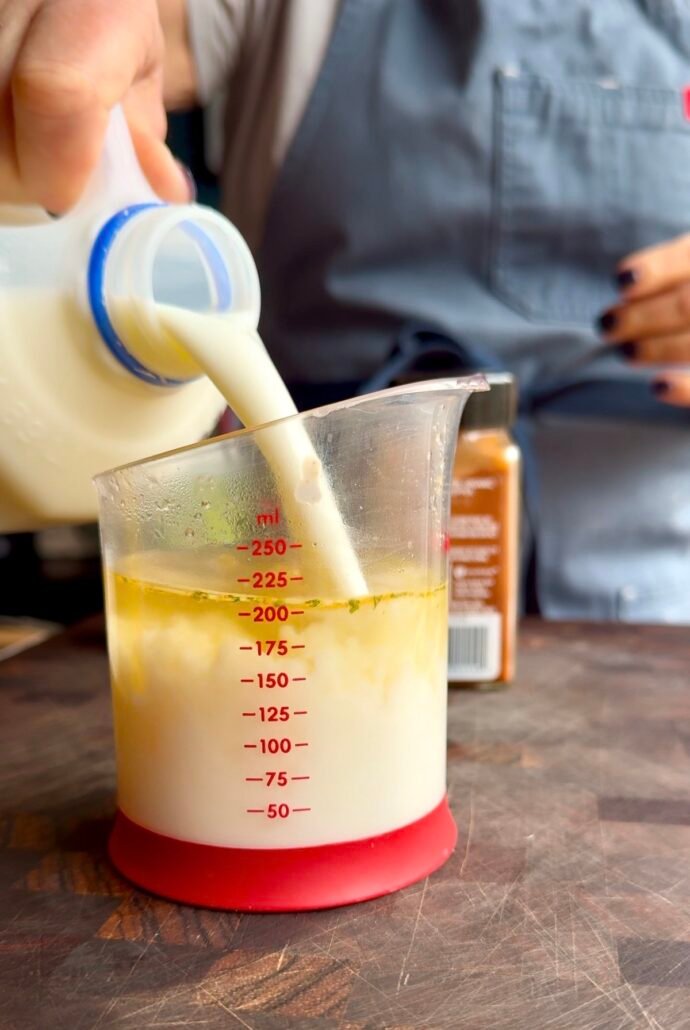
274, 745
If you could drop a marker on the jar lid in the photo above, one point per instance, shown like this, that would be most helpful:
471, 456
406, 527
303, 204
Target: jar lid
494, 408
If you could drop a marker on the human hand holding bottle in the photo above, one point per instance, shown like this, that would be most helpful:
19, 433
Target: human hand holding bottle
64, 64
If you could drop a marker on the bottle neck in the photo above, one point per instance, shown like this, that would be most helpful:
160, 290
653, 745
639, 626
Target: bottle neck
99, 272
148, 255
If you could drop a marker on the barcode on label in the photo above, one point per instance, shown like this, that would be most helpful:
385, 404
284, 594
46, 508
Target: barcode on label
474, 645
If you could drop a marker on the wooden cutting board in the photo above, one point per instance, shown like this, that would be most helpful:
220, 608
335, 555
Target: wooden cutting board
565, 906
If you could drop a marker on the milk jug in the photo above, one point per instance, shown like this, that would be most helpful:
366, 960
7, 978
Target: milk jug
88, 377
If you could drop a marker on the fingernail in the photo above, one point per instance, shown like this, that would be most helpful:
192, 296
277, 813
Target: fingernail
627, 277
661, 387
628, 349
607, 321
189, 179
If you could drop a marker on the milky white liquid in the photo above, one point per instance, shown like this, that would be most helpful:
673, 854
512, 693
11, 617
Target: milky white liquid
233, 356
362, 713
370, 676
68, 412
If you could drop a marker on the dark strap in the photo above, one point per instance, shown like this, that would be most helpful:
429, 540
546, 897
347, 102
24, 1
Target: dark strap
417, 347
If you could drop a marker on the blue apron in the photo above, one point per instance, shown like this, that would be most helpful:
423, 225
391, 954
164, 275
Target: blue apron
481, 167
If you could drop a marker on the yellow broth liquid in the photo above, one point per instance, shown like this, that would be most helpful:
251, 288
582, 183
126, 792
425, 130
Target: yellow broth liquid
273, 719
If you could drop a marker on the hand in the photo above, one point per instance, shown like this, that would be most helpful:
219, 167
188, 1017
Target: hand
63, 65
651, 323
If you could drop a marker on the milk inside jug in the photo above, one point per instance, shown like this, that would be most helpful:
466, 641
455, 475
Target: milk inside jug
76, 398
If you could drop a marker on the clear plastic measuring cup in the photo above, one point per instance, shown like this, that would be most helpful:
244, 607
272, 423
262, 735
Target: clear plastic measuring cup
280, 746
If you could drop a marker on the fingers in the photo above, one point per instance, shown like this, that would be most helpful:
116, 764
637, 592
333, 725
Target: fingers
15, 18
168, 178
144, 111
660, 350
77, 60
655, 268
673, 388
663, 313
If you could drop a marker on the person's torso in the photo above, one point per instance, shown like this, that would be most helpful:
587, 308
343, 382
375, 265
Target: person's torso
480, 166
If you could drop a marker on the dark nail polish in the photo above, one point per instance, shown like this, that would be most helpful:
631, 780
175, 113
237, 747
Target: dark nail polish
661, 387
628, 349
607, 321
191, 183
627, 277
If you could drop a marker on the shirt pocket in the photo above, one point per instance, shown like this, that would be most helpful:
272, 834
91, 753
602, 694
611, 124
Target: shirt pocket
585, 173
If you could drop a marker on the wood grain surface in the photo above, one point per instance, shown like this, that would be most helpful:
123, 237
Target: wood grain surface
566, 904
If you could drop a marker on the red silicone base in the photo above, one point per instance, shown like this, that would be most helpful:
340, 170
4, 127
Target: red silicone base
284, 879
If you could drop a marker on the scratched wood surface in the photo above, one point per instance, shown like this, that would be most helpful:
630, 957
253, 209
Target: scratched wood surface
566, 905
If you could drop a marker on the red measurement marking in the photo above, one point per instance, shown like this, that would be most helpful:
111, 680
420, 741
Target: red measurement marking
246, 647
297, 611
296, 579
250, 680
243, 547
244, 615
304, 744
254, 779
302, 712
299, 679
300, 777
301, 810
298, 647
295, 546
262, 810
243, 579
268, 518
251, 745
252, 714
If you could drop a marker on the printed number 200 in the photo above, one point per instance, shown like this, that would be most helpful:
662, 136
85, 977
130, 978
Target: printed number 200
270, 613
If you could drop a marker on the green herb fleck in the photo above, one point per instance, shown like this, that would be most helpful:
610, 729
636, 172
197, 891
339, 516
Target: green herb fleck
314, 603
376, 599
353, 606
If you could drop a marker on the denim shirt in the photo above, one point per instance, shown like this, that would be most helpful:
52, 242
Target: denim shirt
481, 166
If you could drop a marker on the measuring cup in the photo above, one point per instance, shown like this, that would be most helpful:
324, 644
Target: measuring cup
279, 746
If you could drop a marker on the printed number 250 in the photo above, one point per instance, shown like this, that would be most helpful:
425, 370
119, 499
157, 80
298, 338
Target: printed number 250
268, 547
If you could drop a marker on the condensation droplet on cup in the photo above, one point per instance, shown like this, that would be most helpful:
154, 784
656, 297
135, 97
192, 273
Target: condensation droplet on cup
189, 531
205, 505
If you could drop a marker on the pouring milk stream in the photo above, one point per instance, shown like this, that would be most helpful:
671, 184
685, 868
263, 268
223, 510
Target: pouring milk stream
109, 319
